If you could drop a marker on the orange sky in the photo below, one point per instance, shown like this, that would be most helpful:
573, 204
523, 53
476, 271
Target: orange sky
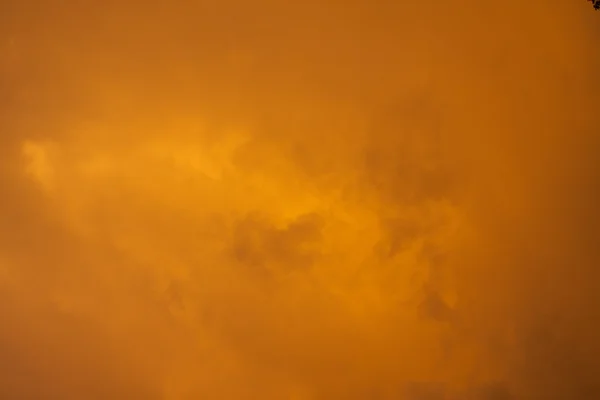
327, 200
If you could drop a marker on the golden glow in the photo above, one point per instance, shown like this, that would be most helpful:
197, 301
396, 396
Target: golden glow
327, 200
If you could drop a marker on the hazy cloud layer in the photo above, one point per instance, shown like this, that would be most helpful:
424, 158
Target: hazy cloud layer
326, 200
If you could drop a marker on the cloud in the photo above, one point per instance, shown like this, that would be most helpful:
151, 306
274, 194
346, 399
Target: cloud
252, 200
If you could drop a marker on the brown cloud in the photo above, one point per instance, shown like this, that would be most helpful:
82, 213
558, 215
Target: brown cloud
244, 200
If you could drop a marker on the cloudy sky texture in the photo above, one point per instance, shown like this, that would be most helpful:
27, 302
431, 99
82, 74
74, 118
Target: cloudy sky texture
319, 200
